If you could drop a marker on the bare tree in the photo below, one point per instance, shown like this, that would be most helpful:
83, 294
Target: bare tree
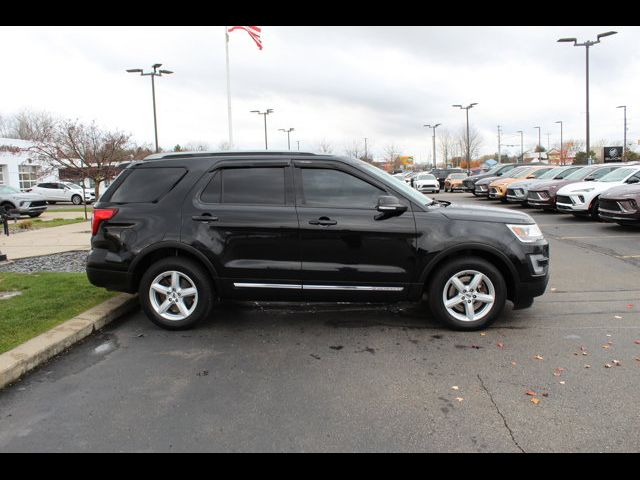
475, 142
85, 150
224, 146
447, 145
353, 150
4, 127
325, 147
30, 125
392, 155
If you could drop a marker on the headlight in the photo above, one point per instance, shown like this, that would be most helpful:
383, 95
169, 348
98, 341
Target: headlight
584, 190
526, 233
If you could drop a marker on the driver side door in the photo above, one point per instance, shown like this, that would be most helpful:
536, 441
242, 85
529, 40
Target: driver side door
348, 249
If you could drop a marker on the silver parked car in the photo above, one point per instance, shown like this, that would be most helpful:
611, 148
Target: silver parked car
32, 204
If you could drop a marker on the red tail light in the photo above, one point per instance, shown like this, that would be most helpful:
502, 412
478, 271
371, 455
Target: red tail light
100, 214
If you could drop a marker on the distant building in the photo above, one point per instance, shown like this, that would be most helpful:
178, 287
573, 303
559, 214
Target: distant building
21, 168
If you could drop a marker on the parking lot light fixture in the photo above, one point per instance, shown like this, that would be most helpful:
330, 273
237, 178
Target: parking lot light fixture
587, 44
154, 73
433, 127
265, 113
288, 132
468, 141
521, 145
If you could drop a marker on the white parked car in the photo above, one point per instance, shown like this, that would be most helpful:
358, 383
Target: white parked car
582, 198
426, 182
55, 192
31, 204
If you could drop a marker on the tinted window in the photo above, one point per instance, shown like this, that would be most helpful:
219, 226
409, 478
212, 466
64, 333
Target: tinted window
253, 186
602, 172
147, 184
212, 193
325, 187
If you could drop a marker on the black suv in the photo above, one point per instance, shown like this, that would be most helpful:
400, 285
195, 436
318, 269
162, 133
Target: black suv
498, 170
442, 173
184, 229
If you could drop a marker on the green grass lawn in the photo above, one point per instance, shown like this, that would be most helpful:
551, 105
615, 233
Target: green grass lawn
38, 223
47, 300
70, 209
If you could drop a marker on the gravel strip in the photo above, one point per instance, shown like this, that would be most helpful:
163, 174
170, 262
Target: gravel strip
59, 262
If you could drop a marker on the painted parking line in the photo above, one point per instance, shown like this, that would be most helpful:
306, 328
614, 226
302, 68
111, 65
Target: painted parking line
598, 236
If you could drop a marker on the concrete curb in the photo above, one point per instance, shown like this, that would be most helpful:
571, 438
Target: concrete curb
34, 352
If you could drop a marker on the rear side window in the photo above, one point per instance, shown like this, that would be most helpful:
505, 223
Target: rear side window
144, 185
246, 186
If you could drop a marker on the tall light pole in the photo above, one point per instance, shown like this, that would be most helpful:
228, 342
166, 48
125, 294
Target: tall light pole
499, 145
298, 141
265, 113
154, 73
561, 151
539, 144
366, 156
433, 127
468, 146
587, 44
288, 132
521, 145
624, 145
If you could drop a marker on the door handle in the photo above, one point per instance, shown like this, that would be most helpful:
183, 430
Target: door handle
204, 218
324, 221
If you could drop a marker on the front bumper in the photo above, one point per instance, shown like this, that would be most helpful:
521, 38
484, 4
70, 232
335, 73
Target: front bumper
516, 195
619, 211
428, 188
496, 193
481, 190
541, 199
30, 207
572, 203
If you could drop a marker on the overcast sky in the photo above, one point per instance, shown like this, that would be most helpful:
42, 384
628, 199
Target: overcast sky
340, 84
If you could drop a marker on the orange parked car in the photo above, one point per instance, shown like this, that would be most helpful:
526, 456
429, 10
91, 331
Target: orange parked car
498, 188
454, 181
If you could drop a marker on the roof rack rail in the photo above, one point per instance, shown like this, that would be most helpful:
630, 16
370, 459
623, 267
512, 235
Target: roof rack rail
168, 155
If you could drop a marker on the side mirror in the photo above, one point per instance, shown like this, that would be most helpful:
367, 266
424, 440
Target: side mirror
531, 176
390, 205
589, 179
633, 180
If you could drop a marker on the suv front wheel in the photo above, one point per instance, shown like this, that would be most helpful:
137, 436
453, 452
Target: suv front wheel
176, 293
467, 294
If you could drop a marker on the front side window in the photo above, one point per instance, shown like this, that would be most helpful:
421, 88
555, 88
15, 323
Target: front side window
246, 186
619, 175
324, 187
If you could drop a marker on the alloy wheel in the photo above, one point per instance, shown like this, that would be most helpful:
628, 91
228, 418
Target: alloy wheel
468, 295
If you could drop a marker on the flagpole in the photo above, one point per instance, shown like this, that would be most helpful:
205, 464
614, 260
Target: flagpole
226, 43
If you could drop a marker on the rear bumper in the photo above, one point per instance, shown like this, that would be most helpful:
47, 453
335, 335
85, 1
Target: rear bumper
111, 279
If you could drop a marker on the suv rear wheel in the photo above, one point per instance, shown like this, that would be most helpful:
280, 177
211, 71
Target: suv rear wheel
176, 293
467, 294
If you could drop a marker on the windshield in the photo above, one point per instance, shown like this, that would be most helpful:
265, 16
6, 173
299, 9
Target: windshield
553, 173
539, 172
516, 172
426, 176
398, 184
579, 174
618, 175
8, 189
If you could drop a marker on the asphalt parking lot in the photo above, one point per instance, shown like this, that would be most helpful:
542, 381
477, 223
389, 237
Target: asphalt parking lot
345, 377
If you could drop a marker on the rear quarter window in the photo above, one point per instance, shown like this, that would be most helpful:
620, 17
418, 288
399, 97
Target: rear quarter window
144, 185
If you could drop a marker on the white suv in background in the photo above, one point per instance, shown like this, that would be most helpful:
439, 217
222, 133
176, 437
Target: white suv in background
582, 198
54, 192
426, 182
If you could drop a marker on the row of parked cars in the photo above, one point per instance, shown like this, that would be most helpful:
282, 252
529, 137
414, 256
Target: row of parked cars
33, 201
449, 179
609, 192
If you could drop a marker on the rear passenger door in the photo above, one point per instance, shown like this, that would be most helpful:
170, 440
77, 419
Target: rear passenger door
242, 216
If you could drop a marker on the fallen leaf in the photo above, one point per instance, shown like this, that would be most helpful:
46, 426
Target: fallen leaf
607, 365
583, 350
558, 371
638, 359
587, 366
553, 289
459, 399
617, 363
500, 345
629, 305
562, 382
637, 342
545, 394
482, 334
606, 345
455, 387
535, 400
539, 357
514, 363
617, 316
608, 334
477, 347
530, 393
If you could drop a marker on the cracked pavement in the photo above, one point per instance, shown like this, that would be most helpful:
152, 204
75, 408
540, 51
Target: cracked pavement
345, 377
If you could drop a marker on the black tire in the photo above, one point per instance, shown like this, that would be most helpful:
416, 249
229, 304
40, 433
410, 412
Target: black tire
595, 209
8, 206
194, 272
34, 215
76, 200
50, 202
440, 279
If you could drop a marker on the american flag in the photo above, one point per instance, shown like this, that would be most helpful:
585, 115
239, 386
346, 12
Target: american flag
254, 33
